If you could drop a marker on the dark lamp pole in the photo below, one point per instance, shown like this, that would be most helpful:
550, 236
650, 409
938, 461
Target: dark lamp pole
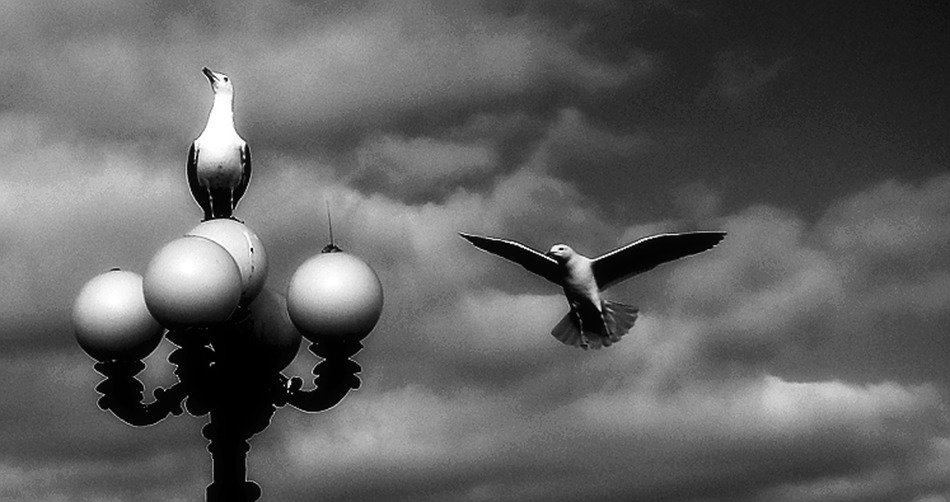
205, 293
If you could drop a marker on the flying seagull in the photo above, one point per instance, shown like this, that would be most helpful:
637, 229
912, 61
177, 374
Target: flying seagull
592, 321
219, 161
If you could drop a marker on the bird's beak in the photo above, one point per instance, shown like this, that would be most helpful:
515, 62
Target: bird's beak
549, 254
210, 74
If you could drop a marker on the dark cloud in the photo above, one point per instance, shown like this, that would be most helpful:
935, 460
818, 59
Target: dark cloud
802, 359
421, 168
739, 79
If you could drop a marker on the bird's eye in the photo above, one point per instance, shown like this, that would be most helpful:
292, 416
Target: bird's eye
225, 79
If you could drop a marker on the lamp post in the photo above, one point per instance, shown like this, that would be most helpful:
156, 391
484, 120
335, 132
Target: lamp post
205, 293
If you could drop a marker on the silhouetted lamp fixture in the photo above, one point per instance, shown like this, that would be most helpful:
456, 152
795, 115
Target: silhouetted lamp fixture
205, 292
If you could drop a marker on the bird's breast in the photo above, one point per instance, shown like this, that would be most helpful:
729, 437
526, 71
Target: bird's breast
217, 158
214, 144
579, 281
219, 164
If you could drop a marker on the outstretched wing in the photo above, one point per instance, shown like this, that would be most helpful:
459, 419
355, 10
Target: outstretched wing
531, 259
648, 252
245, 173
191, 171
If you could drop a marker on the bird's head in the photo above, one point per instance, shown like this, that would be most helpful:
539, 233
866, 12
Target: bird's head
220, 83
560, 252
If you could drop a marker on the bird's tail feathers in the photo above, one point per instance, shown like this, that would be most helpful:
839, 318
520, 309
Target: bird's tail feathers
566, 331
619, 318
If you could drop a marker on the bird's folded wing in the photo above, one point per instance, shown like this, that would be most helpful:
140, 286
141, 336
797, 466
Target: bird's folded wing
191, 170
531, 259
245, 172
648, 252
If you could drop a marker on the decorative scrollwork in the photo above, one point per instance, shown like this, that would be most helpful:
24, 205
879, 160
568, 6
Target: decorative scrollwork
194, 360
122, 394
335, 375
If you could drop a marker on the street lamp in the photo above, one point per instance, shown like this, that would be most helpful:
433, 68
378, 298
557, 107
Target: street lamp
205, 293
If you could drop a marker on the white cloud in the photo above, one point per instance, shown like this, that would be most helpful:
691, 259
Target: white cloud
73, 210
892, 220
112, 70
712, 432
408, 426
574, 145
494, 324
421, 165
697, 200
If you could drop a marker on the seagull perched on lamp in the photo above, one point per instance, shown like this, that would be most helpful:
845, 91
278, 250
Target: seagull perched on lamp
219, 161
592, 321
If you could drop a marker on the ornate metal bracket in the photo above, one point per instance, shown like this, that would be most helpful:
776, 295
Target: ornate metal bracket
122, 394
215, 377
335, 376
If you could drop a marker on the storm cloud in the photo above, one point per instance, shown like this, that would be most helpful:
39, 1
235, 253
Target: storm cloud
803, 359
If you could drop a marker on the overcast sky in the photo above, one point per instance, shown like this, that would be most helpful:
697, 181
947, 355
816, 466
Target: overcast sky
804, 359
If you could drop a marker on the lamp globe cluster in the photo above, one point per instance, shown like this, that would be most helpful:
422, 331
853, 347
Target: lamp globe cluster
215, 275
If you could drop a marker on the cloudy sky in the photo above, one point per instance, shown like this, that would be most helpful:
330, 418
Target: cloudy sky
804, 359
